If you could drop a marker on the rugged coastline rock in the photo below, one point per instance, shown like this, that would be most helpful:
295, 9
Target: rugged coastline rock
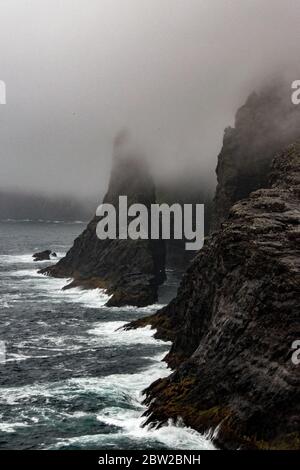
42, 255
233, 323
129, 270
264, 125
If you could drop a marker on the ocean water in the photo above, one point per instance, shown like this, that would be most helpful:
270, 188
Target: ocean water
72, 378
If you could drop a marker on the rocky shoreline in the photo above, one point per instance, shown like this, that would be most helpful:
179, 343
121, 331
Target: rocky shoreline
236, 313
233, 322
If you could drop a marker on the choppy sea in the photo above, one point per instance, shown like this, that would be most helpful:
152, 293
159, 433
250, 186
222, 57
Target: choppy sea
71, 378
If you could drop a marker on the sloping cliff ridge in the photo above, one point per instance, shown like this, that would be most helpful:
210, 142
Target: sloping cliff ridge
264, 125
233, 323
129, 270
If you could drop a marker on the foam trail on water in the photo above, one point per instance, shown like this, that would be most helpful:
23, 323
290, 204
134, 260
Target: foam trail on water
129, 421
49, 287
52, 287
27, 259
112, 333
147, 310
14, 259
116, 398
175, 436
121, 388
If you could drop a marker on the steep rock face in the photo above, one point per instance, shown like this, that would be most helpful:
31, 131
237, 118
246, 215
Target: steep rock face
233, 323
266, 124
130, 270
186, 189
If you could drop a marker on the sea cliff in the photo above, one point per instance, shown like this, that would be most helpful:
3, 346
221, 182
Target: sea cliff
233, 322
129, 270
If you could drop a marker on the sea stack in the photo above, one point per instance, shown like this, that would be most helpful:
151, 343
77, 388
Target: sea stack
129, 270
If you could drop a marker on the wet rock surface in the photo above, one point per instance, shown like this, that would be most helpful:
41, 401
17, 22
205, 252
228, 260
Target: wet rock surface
130, 270
233, 322
42, 255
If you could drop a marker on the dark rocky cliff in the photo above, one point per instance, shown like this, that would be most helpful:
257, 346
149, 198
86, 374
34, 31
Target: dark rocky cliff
186, 189
233, 323
266, 124
130, 270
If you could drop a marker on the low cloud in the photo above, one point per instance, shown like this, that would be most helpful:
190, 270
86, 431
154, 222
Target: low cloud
173, 72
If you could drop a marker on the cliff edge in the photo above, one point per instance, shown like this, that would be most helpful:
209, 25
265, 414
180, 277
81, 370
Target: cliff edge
264, 125
233, 323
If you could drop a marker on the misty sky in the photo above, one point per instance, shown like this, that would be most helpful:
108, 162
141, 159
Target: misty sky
171, 71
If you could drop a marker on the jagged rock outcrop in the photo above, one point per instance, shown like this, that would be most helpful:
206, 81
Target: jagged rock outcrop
233, 323
129, 270
42, 255
266, 124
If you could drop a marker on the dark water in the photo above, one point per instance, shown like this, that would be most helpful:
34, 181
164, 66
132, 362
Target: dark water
71, 379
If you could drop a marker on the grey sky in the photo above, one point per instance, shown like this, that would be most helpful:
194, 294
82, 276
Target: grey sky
171, 71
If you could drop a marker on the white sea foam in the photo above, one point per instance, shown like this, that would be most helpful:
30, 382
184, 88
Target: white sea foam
14, 357
49, 287
120, 388
93, 298
13, 259
27, 259
171, 435
129, 385
27, 273
103, 334
52, 287
123, 390
11, 427
174, 435
9, 299
128, 421
147, 310
112, 333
